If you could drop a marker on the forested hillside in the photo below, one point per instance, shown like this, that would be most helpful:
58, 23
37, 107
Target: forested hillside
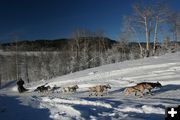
42, 59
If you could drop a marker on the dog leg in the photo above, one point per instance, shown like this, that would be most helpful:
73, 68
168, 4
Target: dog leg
135, 93
142, 95
150, 92
91, 93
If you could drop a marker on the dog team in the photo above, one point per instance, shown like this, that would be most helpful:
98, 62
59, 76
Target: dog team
97, 90
100, 90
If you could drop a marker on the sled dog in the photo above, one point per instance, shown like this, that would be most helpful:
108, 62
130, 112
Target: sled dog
70, 88
140, 87
42, 88
99, 89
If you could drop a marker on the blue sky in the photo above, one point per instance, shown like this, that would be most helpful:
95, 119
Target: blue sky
52, 19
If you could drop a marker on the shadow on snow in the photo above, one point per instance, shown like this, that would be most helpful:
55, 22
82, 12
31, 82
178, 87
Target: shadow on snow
12, 109
167, 88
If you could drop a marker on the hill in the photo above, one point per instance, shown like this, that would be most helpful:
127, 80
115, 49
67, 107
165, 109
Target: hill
81, 106
52, 45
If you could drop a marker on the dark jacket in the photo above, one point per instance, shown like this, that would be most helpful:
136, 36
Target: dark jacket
20, 82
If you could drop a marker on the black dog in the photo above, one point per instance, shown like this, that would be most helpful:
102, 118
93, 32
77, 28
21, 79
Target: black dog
42, 88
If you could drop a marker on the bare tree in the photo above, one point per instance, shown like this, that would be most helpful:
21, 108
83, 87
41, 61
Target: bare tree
147, 19
161, 13
175, 26
17, 60
75, 47
130, 32
80, 49
144, 18
26, 67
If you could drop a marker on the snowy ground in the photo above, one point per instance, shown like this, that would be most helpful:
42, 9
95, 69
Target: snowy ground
114, 106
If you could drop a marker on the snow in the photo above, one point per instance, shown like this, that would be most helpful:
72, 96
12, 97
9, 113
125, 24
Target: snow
143, 109
73, 101
79, 106
60, 111
14, 89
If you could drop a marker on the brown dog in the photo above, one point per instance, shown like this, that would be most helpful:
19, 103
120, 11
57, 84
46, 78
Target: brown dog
140, 87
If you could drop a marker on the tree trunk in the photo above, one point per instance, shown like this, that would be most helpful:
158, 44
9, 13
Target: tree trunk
141, 50
26, 67
176, 36
0, 80
155, 35
147, 36
17, 69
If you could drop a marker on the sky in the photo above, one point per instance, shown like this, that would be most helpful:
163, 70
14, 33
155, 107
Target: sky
53, 19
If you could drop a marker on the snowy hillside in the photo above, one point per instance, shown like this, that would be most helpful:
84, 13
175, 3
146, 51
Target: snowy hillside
114, 106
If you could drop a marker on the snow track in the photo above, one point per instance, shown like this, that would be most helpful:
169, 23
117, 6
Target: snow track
60, 111
63, 108
73, 101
